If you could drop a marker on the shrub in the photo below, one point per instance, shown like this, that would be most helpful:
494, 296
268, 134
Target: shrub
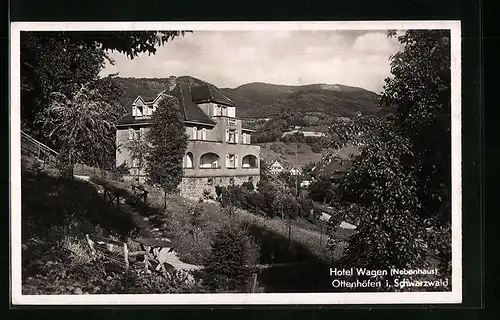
248, 185
228, 266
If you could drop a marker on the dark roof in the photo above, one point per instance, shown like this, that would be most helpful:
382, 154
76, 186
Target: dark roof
209, 93
335, 166
190, 110
128, 119
247, 128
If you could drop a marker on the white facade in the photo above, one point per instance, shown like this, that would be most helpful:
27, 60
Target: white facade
276, 167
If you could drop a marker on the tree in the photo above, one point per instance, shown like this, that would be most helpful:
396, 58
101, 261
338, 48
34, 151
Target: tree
139, 149
319, 190
76, 123
228, 263
399, 185
168, 142
62, 62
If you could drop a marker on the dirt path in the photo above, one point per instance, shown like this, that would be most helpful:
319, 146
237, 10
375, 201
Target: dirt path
148, 229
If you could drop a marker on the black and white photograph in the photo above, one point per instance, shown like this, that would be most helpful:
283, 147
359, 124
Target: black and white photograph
235, 163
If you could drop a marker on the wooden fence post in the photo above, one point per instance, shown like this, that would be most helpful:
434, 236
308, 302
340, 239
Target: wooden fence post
254, 282
125, 255
91, 245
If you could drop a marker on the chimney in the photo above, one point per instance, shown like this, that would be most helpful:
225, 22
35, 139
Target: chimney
171, 83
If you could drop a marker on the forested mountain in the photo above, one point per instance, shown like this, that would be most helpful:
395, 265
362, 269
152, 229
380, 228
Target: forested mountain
262, 99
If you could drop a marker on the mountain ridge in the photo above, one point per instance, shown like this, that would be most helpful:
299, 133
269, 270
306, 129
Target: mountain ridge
260, 99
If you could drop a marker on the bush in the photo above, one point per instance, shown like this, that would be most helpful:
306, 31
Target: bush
228, 266
248, 185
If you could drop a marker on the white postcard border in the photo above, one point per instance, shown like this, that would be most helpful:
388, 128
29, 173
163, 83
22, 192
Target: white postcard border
455, 296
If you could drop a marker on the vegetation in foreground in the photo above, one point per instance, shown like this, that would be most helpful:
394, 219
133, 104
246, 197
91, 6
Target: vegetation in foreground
57, 213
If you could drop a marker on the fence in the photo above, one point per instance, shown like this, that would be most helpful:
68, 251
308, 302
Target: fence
35, 150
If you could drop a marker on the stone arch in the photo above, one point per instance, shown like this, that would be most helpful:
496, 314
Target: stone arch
209, 160
250, 161
188, 160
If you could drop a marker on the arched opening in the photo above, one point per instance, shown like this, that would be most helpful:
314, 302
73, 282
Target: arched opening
188, 160
249, 161
209, 160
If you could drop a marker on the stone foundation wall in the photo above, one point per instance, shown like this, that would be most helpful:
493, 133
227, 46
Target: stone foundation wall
195, 187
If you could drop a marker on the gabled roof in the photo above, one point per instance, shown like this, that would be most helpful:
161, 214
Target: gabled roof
276, 162
209, 93
334, 167
190, 110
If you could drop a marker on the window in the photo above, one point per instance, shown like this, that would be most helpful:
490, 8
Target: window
189, 160
130, 134
209, 160
195, 133
231, 136
203, 134
231, 160
249, 161
243, 138
217, 110
139, 111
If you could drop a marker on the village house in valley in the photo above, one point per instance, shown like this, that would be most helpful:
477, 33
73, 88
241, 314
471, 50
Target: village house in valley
276, 167
219, 151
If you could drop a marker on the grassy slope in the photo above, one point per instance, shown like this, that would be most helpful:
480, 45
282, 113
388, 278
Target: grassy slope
176, 225
286, 153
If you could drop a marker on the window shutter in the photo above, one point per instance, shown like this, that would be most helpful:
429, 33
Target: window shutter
236, 161
227, 135
195, 134
203, 134
236, 137
227, 160
130, 134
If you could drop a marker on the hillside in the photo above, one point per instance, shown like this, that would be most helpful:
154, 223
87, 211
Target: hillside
285, 153
338, 100
262, 99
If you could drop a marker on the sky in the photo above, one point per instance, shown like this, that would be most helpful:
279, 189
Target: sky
229, 59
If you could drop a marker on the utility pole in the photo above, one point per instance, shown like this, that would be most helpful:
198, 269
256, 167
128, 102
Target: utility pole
296, 196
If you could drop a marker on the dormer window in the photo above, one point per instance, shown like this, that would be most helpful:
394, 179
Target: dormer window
217, 110
139, 111
199, 134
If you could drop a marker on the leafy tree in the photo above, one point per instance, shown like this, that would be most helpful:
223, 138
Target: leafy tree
319, 190
168, 142
139, 149
400, 183
62, 62
264, 170
76, 123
